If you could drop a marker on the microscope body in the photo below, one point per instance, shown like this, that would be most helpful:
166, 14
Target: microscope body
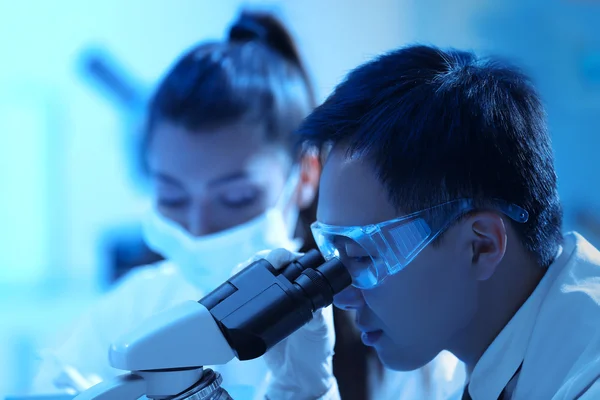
244, 317
165, 355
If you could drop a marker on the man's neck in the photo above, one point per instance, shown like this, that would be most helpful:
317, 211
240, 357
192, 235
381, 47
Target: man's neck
500, 297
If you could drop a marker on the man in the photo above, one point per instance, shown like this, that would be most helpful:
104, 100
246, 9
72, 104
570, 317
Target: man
440, 197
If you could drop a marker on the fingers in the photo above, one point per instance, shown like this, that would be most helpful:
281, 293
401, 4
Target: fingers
281, 257
327, 314
321, 325
254, 258
277, 258
258, 256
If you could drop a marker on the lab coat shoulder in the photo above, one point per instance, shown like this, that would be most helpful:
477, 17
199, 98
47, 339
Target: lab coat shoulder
584, 381
153, 288
581, 289
84, 345
565, 345
593, 392
135, 296
141, 293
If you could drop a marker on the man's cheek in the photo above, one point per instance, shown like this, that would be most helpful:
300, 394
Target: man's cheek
378, 306
383, 296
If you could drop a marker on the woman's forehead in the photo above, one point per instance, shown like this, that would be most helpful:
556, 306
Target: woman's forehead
206, 156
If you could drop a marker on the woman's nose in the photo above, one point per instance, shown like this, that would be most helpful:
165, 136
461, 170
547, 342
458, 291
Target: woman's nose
197, 224
350, 298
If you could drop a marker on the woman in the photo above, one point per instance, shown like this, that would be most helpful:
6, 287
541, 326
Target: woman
227, 182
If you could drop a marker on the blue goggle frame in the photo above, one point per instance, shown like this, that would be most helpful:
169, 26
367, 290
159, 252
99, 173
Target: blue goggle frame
373, 252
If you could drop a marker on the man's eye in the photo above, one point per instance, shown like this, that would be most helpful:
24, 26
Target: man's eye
361, 259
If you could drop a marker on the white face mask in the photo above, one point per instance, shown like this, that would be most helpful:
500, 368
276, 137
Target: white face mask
207, 261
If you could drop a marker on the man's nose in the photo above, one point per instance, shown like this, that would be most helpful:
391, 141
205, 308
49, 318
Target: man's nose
350, 298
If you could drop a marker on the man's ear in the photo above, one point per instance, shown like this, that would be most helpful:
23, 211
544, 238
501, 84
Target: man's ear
310, 172
487, 234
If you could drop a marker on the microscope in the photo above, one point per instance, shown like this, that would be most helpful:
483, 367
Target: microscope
244, 317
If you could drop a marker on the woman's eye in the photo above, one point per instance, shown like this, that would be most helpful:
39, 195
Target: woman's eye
238, 203
239, 199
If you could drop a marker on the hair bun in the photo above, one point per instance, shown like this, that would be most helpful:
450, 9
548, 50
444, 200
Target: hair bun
265, 28
248, 29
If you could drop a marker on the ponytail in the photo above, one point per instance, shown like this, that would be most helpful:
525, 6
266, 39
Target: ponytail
264, 28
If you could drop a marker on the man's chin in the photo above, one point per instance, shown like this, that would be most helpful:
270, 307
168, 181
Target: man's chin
401, 359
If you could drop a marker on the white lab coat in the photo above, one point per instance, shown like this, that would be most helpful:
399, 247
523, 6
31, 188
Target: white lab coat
142, 293
438, 380
555, 335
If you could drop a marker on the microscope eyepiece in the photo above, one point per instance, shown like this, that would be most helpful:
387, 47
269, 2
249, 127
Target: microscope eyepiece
322, 283
260, 306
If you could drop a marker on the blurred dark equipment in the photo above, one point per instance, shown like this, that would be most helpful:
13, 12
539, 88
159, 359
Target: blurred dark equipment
102, 69
124, 249
123, 246
112, 81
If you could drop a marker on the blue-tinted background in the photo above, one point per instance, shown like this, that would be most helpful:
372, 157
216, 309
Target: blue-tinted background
70, 196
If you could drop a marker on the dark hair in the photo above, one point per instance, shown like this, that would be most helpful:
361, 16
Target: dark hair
256, 76
442, 125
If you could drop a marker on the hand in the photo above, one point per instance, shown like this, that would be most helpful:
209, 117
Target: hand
301, 365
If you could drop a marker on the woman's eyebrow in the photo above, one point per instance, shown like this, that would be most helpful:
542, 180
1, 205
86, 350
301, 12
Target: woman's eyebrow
167, 179
228, 178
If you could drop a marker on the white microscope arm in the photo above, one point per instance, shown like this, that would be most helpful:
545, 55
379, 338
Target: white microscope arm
183, 336
165, 355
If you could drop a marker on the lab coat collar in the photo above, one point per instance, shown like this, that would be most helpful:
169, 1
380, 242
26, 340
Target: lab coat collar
505, 355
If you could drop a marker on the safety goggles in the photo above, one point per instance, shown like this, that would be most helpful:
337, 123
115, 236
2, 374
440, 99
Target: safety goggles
373, 252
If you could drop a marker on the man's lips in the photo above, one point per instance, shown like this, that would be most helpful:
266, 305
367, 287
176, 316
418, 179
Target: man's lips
371, 338
369, 335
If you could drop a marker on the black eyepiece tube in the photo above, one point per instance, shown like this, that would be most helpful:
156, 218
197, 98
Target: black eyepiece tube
312, 259
260, 306
336, 275
322, 283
